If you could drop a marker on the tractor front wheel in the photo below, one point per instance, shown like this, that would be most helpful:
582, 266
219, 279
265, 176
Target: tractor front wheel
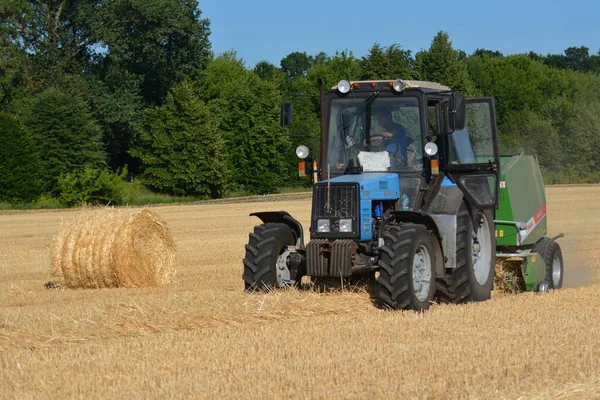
407, 268
266, 257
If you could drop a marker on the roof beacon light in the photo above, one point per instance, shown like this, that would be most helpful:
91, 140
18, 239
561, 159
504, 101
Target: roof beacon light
399, 85
302, 151
343, 86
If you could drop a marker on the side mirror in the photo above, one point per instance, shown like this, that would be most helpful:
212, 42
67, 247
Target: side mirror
286, 115
458, 112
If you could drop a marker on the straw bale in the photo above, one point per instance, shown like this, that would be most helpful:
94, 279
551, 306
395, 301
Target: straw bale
509, 278
111, 247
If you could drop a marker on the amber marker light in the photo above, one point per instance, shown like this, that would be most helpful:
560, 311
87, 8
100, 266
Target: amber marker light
435, 167
301, 168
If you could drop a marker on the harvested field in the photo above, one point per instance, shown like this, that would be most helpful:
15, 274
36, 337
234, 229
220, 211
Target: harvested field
202, 337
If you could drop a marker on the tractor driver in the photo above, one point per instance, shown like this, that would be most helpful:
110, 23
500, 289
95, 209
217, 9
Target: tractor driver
393, 137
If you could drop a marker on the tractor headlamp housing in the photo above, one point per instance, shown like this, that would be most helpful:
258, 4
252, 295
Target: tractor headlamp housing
302, 151
431, 149
399, 85
345, 225
343, 86
323, 225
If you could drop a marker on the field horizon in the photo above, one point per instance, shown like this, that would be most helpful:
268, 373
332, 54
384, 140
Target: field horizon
203, 337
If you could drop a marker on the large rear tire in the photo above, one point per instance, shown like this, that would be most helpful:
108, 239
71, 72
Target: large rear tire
550, 252
266, 246
407, 268
473, 278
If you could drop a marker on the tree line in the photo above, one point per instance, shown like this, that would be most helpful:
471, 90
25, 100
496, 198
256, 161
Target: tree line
93, 94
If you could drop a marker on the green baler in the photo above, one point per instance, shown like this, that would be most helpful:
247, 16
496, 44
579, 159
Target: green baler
524, 253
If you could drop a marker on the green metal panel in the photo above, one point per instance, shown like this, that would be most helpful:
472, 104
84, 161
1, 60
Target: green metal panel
534, 271
522, 200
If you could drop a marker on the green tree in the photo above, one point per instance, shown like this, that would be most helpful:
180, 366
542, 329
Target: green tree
65, 132
544, 111
517, 82
258, 153
578, 58
532, 133
117, 105
390, 62
578, 126
181, 149
574, 58
268, 71
342, 65
20, 167
488, 53
56, 35
91, 186
442, 64
11, 66
296, 64
162, 41
12, 56
305, 126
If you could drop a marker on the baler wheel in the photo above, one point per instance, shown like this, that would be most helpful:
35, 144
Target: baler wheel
266, 245
407, 260
551, 253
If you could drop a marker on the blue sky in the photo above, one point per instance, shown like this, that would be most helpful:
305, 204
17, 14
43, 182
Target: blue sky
270, 30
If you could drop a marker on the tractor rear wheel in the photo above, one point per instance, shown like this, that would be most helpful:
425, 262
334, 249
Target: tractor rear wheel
407, 268
267, 247
473, 277
550, 252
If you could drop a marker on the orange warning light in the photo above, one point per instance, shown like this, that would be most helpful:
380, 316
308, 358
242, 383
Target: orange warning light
301, 168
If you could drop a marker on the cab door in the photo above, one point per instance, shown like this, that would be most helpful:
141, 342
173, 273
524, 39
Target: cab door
473, 160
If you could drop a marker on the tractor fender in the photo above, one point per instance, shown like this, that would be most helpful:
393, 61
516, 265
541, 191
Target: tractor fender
422, 218
283, 217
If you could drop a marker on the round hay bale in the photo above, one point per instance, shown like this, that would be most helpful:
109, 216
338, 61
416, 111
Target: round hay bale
111, 247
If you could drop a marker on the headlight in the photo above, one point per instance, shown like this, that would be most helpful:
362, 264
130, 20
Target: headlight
343, 86
431, 149
399, 85
323, 225
346, 225
302, 151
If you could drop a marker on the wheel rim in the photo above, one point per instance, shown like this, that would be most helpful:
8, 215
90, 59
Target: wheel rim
482, 252
282, 272
556, 271
421, 273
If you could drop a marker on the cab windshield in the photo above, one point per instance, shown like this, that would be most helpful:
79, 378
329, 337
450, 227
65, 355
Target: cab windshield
391, 142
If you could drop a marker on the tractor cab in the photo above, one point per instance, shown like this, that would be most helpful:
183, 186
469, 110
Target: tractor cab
417, 135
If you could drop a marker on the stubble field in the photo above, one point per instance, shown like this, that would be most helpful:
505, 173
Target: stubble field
202, 337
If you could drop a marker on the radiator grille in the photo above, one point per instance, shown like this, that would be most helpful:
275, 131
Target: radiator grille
335, 201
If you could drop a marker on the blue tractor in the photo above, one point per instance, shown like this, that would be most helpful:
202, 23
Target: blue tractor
405, 194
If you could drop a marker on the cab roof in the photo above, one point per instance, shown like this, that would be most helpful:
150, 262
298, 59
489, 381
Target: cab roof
410, 84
